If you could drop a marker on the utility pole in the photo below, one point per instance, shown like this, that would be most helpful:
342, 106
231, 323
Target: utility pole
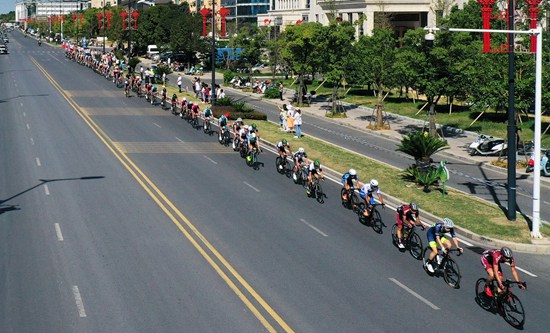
214, 53
512, 128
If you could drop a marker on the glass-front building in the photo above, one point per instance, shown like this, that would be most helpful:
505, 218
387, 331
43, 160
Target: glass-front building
244, 12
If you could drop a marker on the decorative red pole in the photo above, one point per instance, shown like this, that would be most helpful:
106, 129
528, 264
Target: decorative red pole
533, 17
74, 20
486, 10
205, 12
135, 14
223, 12
99, 20
109, 15
81, 17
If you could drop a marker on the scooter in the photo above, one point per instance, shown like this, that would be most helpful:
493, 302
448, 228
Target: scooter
544, 163
487, 145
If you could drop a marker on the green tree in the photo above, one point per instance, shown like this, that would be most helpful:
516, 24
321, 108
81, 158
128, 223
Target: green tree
337, 43
252, 41
301, 50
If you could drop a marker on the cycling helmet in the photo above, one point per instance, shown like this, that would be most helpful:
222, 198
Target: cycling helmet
254, 126
374, 183
448, 223
239, 119
316, 163
227, 115
352, 172
413, 206
284, 142
301, 150
245, 127
506, 252
184, 99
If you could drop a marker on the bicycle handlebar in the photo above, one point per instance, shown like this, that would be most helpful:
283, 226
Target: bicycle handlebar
507, 283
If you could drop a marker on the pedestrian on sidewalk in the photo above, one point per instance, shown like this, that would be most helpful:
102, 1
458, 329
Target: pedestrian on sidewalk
281, 90
141, 72
298, 123
147, 76
179, 82
290, 118
164, 79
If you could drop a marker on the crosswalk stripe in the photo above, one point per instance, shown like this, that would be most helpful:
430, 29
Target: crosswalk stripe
172, 148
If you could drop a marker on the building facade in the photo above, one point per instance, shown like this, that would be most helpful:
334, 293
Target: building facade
365, 15
27, 9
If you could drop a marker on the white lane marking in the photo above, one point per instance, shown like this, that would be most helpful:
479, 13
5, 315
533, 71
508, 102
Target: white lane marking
38, 162
79, 303
32, 141
430, 304
58, 232
465, 242
313, 227
157, 125
24, 114
546, 202
252, 187
21, 104
211, 160
180, 140
46, 189
523, 270
28, 127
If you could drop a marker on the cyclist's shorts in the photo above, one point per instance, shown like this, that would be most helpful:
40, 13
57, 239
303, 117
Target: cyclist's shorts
431, 240
489, 266
363, 196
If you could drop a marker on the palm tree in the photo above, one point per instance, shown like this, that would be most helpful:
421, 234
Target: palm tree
422, 146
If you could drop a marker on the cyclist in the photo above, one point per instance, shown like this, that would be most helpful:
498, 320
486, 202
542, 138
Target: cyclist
366, 193
349, 179
148, 87
154, 93
163, 96
237, 125
222, 121
436, 238
299, 158
282, 147
407, 213
207, 115
253, 145
491, 260
126, 87
314, 169
195, 108
174, 103
254, 129
243, 136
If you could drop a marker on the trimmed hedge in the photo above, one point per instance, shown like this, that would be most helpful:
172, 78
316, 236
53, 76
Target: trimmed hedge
234, 113
272, 93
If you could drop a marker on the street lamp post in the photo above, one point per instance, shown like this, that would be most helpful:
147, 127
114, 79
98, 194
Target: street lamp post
213, 88
103, 26
535, 230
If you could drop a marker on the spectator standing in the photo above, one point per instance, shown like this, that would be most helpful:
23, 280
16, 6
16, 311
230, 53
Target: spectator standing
281, 90
141, 72
147, 76
197, 87
164, 79
298, 123
290, 118
221, 94
179, 82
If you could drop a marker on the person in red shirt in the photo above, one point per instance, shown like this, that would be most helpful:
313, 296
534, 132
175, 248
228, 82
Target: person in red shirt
491, 260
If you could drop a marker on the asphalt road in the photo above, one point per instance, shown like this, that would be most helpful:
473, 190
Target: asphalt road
466, 175
118, 217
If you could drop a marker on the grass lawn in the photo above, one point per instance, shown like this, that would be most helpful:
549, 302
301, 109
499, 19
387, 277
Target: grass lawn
466, 210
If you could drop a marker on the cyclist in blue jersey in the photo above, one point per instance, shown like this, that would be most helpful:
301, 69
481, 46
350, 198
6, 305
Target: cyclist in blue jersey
349, 180
436, 237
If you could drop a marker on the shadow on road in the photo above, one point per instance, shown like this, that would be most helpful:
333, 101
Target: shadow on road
42, 182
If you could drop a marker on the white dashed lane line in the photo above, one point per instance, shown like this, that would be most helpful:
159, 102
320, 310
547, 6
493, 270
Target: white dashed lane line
415, 294
38, 162
46, 189
211, 160
313, 227
32, 141
252, 187
79, 302
523, 270
180, 140
28, 127
58, 232
157, 125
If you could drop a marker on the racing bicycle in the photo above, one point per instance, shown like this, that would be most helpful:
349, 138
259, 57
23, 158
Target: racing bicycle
411, 240
506, 303
444, 265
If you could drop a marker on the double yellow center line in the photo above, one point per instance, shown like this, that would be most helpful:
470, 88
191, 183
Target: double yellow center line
253, 301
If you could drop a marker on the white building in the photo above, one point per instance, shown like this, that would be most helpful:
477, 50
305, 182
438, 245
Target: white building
25, 9
401, 15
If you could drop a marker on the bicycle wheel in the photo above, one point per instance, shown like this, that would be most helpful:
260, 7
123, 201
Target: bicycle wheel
394, 234
250, 159
512, 310
279, 165
376, 221
297, 177
484, 301
415, 246
319, 195
451, 273
346, 203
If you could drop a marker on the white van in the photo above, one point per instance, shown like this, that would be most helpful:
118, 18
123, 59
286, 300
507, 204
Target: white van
152, 50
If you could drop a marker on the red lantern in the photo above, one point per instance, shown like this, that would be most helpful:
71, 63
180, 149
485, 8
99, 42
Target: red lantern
223, 12
108, 20
81, 20
205, 12
99, 21
533, 17
135, 14
124, 16
486, 10
74, 20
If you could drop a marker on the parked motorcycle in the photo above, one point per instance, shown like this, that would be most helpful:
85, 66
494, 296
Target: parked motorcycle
487, 145
544, 163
